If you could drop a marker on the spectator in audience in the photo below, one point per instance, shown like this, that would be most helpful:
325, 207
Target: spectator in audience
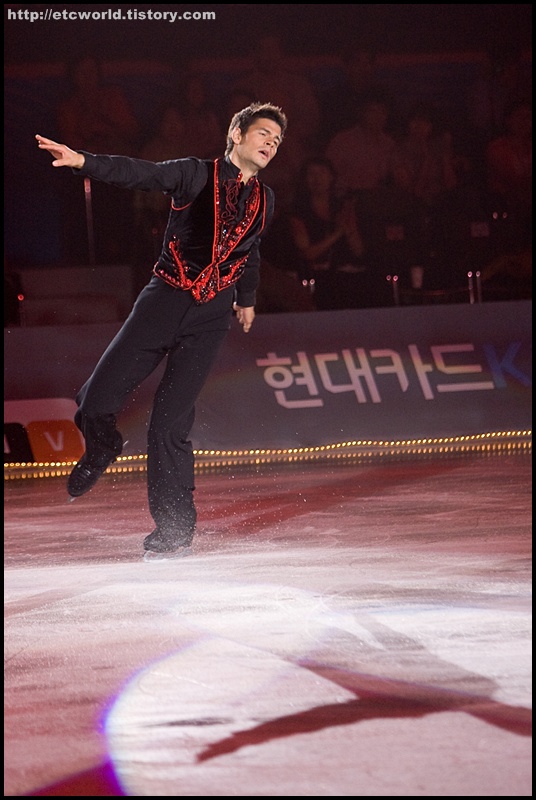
272, 75
97, 117
282, 285
169, 139
364, 159
363, 155
505, 77
425, 164
340, 102
509, 173
203, 131
509, 158
327, 239
426, 169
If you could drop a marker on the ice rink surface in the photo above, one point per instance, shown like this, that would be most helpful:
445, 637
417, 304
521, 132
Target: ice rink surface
358, 628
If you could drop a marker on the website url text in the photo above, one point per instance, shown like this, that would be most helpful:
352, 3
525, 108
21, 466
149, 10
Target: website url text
49, 15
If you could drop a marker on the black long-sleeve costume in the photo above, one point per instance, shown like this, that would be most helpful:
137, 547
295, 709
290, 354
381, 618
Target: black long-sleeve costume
214, 225
210, 257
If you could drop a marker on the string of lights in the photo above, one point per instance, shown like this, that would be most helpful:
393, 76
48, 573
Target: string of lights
358, 450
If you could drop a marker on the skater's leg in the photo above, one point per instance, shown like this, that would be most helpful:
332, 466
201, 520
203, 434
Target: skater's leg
133, 354
170, 464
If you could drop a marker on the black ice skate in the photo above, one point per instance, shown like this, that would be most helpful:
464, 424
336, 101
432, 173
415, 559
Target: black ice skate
84, 476
162, 545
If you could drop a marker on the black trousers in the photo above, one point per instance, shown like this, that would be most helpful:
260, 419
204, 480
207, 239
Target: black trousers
164, 323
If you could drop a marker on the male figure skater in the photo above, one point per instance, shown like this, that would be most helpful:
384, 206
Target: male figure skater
208, 267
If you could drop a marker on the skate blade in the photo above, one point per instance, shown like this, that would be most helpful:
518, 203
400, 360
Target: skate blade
150, 555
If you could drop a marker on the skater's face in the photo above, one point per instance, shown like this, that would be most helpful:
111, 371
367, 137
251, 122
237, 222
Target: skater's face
254, 149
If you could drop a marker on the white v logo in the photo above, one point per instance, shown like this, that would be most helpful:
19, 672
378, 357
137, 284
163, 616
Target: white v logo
56, 443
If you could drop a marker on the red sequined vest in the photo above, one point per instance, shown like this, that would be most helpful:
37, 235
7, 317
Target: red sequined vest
206, 246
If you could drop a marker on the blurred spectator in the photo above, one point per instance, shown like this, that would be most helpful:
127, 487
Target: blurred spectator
281, 288
426, 169
339, 103
505, 78
271, 77
425, 163
203, 134
278, 246
509, 173
509, 159
327, 239
363, 156
171, 138
97, 117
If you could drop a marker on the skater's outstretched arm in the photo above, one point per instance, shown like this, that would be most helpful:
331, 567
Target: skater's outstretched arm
63, 155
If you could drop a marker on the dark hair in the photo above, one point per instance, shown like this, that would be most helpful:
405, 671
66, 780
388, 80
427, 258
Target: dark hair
245, 118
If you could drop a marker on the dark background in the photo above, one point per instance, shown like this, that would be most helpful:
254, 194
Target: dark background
38, 56
308, 29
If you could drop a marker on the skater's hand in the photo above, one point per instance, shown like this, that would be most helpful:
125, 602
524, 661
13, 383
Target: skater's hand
245, 316
63, 155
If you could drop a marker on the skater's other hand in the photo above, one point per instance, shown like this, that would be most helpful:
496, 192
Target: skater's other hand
245, 316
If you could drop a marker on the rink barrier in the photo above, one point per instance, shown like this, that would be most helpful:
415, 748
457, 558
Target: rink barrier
304, 385
504, 442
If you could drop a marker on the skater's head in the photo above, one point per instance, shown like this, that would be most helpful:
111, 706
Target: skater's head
254, 136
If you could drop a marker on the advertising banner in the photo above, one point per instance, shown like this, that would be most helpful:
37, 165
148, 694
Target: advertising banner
300, 380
